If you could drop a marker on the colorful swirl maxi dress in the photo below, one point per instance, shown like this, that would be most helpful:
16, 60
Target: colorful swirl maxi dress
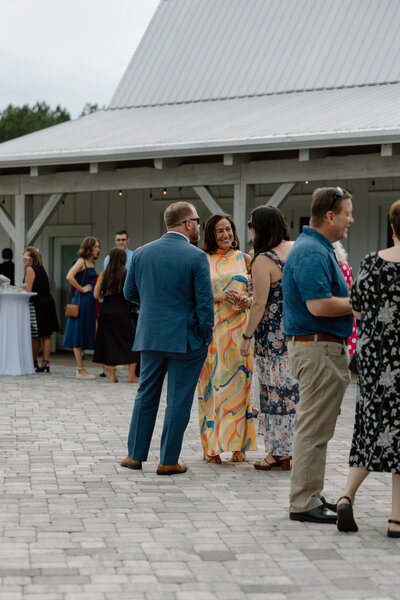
279, 391
225, 412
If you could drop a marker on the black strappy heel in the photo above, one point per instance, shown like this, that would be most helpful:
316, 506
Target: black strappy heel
390, 532
345, 517
45, 366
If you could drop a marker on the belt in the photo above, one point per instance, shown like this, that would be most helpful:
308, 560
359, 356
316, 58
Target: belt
319, 337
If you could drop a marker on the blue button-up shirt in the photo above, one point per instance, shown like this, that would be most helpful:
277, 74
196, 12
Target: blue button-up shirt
311, 271
129, 254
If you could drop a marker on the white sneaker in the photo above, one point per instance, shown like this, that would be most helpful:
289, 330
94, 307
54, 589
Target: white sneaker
84, 375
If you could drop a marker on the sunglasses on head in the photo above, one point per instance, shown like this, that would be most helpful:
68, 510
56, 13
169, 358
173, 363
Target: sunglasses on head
338, 194
197, 219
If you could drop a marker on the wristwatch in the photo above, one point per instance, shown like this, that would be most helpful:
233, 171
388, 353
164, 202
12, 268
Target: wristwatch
245, 337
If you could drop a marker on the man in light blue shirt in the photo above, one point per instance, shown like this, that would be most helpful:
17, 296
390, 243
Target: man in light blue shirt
122, 241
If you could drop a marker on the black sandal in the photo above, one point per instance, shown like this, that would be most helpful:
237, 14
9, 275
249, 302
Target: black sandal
390, 532
345, 517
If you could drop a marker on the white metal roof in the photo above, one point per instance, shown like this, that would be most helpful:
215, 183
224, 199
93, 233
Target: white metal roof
214, 76
306, 119
197, 50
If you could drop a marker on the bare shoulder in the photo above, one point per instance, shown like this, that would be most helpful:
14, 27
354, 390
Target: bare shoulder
263, 263
80, 264
247, 260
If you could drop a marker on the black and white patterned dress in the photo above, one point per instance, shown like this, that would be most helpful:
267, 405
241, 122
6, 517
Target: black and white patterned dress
376, 436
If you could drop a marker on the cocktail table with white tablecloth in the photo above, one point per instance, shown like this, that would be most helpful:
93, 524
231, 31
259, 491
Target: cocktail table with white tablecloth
15, 334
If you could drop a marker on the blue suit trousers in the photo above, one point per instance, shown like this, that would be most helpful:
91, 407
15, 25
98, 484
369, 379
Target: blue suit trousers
183, 372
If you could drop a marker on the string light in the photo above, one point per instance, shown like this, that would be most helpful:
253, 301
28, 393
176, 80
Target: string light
120, 193
306, 182
164, 192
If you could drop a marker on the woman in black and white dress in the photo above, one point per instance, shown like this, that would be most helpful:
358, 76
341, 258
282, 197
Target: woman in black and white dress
375, 298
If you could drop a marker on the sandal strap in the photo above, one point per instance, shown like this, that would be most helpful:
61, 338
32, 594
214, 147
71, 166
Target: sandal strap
264, 461
344, 498
394, 521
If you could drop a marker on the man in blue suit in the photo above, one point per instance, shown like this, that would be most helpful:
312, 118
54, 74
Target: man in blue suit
170, 280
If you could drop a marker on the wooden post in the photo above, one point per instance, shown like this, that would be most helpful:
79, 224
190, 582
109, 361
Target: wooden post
243, 202
19, 241
205, 195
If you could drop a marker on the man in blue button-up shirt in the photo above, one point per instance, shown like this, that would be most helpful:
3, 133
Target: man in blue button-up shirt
317, 320
122, 241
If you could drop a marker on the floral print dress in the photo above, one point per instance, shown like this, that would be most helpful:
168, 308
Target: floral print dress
376, 436
352, 340
279, 391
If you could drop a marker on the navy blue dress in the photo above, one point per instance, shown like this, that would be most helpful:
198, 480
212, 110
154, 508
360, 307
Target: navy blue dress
80, 331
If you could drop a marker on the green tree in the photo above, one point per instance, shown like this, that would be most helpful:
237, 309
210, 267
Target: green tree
89, 108
20, 120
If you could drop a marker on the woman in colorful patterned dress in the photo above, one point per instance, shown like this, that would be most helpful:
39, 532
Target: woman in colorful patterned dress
225, 413
279, 392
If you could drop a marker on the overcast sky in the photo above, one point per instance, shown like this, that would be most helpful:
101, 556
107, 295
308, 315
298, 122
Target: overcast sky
67, 53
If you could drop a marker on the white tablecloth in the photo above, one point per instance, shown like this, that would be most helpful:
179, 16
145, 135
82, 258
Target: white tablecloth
15, 334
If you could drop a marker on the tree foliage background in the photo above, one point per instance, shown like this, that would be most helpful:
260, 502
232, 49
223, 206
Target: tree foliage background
20, 120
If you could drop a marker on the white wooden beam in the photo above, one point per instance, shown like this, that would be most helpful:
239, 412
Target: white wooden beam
331, 168
36, 171
19, 240
205, 195
45, 214
243, 201
280, 194
229, 160
6, 223
95, 167
386, 150
166, 163
304, 154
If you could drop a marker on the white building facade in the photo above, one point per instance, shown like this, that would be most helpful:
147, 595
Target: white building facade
230, 104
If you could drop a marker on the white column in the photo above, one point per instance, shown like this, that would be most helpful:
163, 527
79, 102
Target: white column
19, 241
243, 202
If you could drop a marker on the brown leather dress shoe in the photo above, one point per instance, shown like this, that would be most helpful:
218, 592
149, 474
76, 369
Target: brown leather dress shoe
129, 463
171, 469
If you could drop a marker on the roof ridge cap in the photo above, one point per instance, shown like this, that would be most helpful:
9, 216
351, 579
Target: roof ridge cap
283, 93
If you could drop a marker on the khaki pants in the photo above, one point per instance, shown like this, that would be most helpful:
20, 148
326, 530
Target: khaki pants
321, 369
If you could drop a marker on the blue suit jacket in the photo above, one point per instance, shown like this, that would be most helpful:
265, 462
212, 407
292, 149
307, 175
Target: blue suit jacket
170, 280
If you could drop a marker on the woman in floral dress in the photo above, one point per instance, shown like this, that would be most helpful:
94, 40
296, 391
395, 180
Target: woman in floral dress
279, 392
225, 413
375, 299
345, 267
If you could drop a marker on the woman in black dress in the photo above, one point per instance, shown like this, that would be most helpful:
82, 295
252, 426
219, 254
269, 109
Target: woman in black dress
116, 330
43, 309
375, 298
